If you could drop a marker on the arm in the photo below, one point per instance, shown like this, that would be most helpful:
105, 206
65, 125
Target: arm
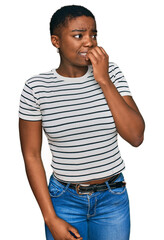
31, 141
129, 122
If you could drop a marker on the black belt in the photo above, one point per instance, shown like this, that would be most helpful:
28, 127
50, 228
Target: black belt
90, 188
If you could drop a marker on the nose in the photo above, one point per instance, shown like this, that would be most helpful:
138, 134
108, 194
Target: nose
88, 41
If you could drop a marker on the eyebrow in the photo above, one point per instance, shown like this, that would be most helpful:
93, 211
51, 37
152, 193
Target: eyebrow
83, 30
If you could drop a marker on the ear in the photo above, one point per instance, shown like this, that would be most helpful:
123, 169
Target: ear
55, 41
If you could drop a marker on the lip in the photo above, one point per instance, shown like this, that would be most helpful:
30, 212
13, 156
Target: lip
83, 55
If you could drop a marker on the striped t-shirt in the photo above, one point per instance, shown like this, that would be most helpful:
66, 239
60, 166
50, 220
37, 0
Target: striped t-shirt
77, 122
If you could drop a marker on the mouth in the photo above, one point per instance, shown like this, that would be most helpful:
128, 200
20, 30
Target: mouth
84, 54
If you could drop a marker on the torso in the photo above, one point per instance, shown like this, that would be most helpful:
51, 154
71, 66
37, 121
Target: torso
78, 124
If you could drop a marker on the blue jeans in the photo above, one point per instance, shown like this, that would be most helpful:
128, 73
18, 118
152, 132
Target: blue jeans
103, 215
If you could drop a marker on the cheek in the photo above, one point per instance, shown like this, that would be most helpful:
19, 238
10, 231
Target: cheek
95, 44
72, 48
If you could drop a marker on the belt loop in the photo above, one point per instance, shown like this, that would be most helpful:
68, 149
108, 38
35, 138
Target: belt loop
107, 185
67, 186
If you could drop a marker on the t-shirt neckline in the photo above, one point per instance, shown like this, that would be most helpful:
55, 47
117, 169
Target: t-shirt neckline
72, 79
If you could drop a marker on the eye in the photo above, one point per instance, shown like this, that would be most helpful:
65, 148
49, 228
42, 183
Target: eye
78, 36
94, 36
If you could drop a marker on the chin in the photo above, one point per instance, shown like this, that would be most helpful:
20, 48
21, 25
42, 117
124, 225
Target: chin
83, 63
87, 63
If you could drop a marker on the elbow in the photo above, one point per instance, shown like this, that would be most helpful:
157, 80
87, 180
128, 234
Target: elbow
137, 141
138, 137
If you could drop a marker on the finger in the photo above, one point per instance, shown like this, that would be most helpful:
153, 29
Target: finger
72, 236
99, 53
102, 49
96, 52
74, 231
92, 58
93, 53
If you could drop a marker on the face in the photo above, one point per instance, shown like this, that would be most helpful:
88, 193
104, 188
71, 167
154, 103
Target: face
75, 39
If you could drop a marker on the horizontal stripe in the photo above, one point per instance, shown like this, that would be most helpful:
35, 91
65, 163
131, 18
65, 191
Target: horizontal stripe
42, 81
93, 155
114, 155
68, 123
28, 109
81, 175
68, 89
84, 114
83, 169
84, 138
40, 77
86, 132
28, 99
32, 115
122, 87
46, 74
92, 125
68, 100
67, 94
116, 80
29, 93
31, 107
86, 144
125, 92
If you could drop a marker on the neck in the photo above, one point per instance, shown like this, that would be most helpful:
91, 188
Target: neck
71, 71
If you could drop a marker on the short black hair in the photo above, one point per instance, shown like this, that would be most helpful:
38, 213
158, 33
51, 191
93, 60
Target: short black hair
62, 15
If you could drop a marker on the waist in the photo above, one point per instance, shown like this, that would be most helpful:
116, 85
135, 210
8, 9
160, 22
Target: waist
92, 182
99, 181
86, 188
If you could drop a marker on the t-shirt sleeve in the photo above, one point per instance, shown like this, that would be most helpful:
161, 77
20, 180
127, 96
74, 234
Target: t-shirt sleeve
119, 81
29, 107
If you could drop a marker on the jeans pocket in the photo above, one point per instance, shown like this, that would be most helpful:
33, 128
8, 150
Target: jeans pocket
119, 190
55, 190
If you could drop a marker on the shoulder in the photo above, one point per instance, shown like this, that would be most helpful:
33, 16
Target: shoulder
113, 71
113, 68
40, 79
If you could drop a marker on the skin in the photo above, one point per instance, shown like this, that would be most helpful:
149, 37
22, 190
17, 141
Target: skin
79, 35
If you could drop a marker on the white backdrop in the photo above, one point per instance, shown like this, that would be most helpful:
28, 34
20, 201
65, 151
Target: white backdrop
131, 33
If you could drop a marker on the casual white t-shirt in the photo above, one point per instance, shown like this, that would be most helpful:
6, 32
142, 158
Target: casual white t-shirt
77, 122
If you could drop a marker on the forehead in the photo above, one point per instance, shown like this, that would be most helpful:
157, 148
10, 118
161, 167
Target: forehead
80, 23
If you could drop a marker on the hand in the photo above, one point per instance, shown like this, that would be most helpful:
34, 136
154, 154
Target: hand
60, 230
100, 62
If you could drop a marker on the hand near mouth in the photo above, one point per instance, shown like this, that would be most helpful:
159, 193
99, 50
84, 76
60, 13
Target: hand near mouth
100, 63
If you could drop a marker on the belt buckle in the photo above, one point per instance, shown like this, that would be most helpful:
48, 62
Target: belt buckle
80, 193
77, 189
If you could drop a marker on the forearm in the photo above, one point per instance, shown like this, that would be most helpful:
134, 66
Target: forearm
37, 179
129, 122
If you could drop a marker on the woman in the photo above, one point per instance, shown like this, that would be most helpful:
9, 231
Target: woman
81, 106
